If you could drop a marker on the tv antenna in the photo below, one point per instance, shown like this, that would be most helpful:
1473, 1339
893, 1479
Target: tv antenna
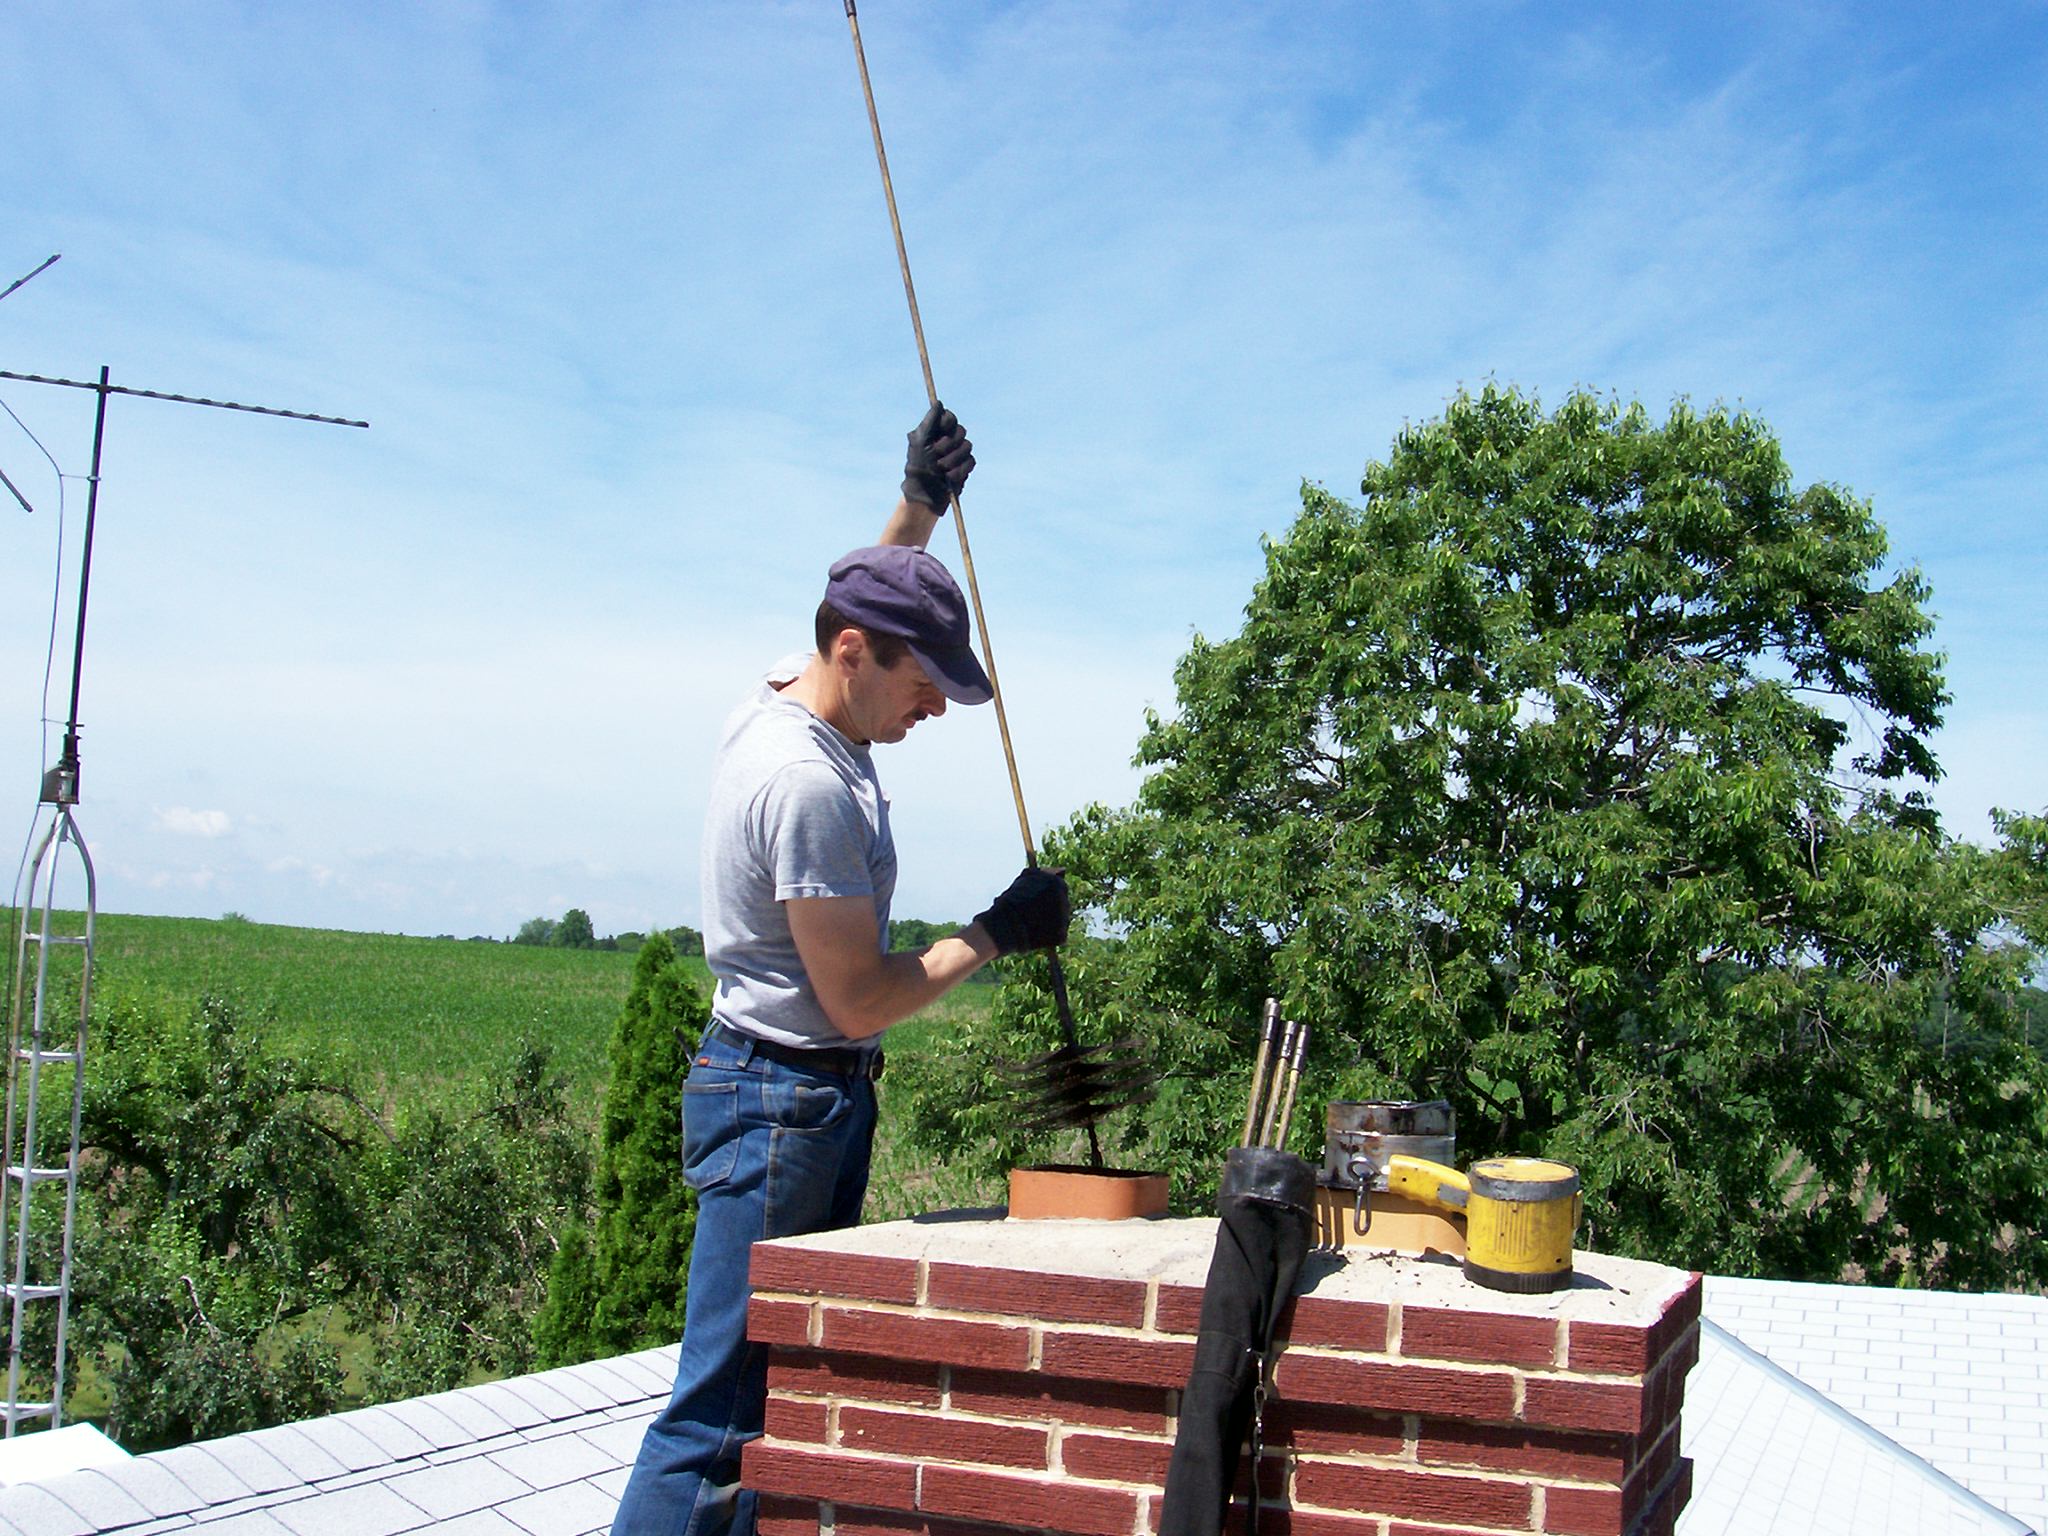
38, 1037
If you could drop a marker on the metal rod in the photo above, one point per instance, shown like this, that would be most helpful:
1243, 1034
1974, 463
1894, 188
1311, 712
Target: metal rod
1272, 1114
931, 392
988, 653
1293, 1086
154, 394
48, 262
68, 763
1269, 1026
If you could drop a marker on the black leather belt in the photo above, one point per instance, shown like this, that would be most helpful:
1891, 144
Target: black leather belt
843, 1060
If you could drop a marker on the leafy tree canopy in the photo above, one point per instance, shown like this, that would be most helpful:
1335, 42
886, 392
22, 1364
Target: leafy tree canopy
1578, 776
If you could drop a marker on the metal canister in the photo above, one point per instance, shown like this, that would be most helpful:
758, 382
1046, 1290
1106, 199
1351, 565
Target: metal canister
1361, 1134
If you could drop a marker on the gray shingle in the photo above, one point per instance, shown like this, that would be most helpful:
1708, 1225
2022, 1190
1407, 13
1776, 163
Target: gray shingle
39, 1514
508, 1405
653, 1370
97, 1499
574, 1509
477, 1420
550, 1463
428, 1422
619, 1440
299, 1453
258, 1470
201, 1471
339, 1438
616, 1385
579, 1386
543, 1399
259, 1522
478, 1448
458, 1487
398, 1440
485, 1522
145, 1481
371, 1510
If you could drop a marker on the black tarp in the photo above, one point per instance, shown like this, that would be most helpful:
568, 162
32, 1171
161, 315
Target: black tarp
1267, 1211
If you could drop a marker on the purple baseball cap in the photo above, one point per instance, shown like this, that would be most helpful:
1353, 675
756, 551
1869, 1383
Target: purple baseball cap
894, 589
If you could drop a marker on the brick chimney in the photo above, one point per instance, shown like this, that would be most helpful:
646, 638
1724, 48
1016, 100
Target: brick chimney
955, 1377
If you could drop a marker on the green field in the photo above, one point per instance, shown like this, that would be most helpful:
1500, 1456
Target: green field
412, 1017
408, 1015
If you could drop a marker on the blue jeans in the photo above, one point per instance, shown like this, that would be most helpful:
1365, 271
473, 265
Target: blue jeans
772, 1151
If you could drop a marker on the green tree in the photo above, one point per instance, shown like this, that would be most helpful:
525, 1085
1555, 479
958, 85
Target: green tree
1574, 777
574, 931
621, 1286
238, 1200
535, 930
217, 1215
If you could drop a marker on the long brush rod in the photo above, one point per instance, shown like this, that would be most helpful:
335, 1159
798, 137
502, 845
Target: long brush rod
924, 360
1056, 972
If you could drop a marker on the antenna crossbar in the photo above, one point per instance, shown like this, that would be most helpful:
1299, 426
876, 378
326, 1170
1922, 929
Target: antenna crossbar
157, 394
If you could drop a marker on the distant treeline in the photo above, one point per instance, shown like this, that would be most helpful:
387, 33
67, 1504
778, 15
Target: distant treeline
573, 930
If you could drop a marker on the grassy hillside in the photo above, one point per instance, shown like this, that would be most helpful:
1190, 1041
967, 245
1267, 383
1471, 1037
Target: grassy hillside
409, 1014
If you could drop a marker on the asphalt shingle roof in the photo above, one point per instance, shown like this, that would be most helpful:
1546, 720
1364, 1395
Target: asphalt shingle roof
542, 1455
1957, 1379
1813, 1410
1773, 1457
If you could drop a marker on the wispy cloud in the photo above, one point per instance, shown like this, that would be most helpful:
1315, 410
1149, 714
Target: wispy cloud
632, 338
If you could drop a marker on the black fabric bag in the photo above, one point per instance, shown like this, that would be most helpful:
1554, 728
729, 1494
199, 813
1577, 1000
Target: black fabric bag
1267, 1206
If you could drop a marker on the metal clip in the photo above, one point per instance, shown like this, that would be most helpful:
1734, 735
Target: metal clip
1360, 1168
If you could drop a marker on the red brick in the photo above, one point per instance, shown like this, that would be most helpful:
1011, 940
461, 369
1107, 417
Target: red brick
1566, 1402
1057, 1298
1179, 1310
1403, 1528
787, 1517
906, 1336
931, 1437
1443, 1333
1580, 1511
1359, 1325
1401, 1388
813, 1272
1610, 1349
1116, 1458
1279, 1520
778, 1322
1519, 1448
1117, 1357
795, 1419
808, 1474
1016, 1395
814, 1374
1332, 1429
1412, 1495
848, 1521
1045, 1503
1683, 1310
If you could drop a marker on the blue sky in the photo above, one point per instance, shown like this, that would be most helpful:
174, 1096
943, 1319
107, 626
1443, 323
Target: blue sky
614, 286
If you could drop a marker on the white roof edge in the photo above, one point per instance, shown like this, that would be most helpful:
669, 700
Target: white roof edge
1834, 1411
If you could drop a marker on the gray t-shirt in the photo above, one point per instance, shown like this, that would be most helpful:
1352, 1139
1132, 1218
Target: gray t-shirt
796, 810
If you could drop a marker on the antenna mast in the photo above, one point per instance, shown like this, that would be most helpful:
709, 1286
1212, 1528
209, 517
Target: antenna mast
58, 984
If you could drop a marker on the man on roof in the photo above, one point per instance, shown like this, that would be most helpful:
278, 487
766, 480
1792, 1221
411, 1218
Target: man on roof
798, 867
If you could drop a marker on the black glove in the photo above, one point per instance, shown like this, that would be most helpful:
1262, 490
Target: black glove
1032, 914
939, 461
